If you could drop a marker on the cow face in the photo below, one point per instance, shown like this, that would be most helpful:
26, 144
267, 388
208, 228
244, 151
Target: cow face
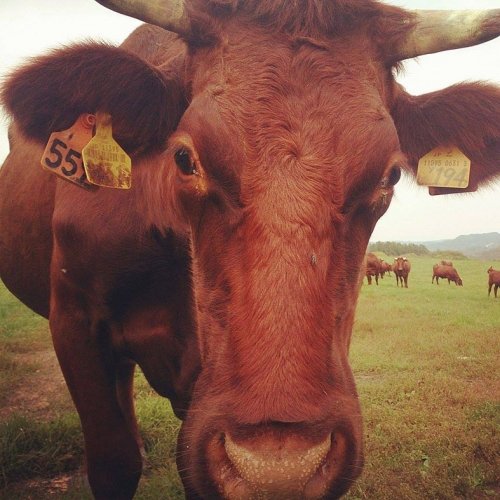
281, 183
280, 167
400, 264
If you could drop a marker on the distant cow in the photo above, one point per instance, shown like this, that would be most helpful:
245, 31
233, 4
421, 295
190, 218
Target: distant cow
385, 267
446, 272
493, 279
447, 263
401, 268
373, 267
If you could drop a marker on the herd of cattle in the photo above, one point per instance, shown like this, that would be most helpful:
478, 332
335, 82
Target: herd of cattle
376, 267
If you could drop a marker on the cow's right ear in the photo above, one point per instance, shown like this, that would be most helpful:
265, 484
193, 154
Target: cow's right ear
51, 91
465, 115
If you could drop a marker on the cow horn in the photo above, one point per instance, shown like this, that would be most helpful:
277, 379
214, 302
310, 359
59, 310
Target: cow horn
168, 14
439, 30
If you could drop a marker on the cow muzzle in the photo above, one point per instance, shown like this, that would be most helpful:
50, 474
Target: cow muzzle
271, 465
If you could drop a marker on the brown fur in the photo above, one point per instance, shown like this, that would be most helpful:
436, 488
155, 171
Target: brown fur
446, 272
373, 267
493, 280
401, 268
385, 268
235, 288
53, 90
464, 115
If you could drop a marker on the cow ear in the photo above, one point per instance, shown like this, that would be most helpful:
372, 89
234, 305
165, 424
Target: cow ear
51, 91
464, 115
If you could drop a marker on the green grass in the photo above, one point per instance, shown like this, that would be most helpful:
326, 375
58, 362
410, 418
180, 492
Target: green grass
29, 448
426, 363
38, 450
21, 331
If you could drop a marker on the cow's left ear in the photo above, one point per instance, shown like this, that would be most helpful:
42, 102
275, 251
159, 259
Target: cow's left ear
465, 115
50, 92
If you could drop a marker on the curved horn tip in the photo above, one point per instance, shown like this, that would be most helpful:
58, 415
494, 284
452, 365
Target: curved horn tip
440, 30
168, 14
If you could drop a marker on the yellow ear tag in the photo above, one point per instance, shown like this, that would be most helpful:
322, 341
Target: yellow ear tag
444, 167
63, 153
105, 162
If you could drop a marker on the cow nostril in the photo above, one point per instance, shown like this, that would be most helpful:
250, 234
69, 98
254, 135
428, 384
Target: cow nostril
330, 471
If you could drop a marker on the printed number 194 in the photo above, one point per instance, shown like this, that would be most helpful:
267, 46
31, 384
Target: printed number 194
449, 176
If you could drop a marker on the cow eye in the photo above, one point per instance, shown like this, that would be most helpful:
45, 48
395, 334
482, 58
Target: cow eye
185, 162
394, 175
392, 178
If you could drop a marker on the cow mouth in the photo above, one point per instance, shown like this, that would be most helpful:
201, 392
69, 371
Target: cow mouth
318, 473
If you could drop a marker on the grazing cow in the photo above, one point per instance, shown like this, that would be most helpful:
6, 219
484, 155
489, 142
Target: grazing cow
373, 267
385, 267
266, 137
446, 272
401, 268
493, 280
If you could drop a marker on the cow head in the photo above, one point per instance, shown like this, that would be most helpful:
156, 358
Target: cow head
286, 135
400, 263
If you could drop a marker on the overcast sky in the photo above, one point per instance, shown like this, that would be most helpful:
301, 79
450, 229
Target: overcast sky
29, 27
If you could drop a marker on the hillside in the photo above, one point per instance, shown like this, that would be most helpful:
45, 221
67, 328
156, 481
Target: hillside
479, 246
485, 246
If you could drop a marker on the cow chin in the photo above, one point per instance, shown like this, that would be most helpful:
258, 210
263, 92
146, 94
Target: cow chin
272, 460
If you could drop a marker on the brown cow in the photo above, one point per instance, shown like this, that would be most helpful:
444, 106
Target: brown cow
373, 267
401, 268
445, 272
266, 140
385, 267
493, 280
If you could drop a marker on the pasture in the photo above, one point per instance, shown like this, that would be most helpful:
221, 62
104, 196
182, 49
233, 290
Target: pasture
426, 364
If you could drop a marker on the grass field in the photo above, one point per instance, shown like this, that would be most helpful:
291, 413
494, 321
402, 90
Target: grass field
426, 362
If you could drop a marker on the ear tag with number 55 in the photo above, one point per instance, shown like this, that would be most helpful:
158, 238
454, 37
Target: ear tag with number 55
105, 162
63, 153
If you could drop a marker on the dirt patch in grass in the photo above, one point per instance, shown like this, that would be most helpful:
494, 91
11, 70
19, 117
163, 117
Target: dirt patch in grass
42, 393
56, 487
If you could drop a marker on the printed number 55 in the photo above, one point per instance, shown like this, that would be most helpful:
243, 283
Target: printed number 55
57, 148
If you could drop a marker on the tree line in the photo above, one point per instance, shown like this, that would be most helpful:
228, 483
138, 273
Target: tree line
395, 248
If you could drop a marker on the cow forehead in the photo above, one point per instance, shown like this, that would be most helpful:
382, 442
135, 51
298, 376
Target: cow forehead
258, 60
271, 100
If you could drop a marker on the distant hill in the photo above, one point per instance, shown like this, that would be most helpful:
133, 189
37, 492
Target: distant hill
479, 246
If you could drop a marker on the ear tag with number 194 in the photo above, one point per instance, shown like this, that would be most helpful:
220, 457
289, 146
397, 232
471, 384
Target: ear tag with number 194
105, 162
63, 153
444, 167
